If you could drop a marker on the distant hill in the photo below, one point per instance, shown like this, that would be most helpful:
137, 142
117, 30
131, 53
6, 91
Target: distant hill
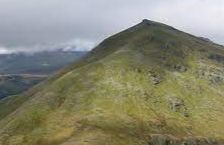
38, 63
19, 72
16, 84
148, 85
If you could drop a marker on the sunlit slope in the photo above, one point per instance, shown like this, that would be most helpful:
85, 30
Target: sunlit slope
148, 85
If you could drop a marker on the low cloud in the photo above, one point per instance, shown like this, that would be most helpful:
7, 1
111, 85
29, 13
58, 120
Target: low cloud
78, 45
4, 50
72, 45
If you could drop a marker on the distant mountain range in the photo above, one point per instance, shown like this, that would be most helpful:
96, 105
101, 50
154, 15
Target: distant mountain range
19, 72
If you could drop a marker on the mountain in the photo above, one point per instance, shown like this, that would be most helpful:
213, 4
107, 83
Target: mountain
21, 71
148, 85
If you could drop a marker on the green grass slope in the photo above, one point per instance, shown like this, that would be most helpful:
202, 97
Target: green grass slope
148, 85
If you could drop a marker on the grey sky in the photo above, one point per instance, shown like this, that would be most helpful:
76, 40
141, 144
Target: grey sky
28, 25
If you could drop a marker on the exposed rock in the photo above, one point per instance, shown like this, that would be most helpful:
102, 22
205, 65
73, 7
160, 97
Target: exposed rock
178, 105
153, 23
215, 75
215, 79
180, 68
155, 79
159, 139
198, 141
217, 57
205, 39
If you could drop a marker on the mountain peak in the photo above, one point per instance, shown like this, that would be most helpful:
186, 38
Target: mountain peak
154, 23
149, 84
146, 21
150, 22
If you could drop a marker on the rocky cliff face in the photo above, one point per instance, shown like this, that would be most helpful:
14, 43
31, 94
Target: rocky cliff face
148, 85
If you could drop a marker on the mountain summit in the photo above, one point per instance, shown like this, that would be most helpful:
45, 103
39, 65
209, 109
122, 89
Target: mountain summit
148, 85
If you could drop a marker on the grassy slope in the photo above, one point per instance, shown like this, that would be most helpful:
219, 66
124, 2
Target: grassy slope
124, 93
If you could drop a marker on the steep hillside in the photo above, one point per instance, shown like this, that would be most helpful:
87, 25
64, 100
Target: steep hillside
148, 85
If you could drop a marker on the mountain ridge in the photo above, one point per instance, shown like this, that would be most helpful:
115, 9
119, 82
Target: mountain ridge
147, 85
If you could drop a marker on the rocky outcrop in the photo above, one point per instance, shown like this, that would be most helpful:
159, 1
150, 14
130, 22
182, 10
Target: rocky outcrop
155, 79
213, 74
178, 105
159, 139
217, 57
180, 68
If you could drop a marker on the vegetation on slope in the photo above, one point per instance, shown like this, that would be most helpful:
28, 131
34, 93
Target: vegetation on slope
148, 85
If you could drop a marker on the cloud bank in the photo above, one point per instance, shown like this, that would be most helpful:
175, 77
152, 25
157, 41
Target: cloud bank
73, 45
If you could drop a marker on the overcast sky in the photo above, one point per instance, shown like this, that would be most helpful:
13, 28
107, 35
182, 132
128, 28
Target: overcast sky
30, 25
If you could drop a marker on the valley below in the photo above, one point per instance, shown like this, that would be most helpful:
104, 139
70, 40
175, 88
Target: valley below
13, 84
20, 72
